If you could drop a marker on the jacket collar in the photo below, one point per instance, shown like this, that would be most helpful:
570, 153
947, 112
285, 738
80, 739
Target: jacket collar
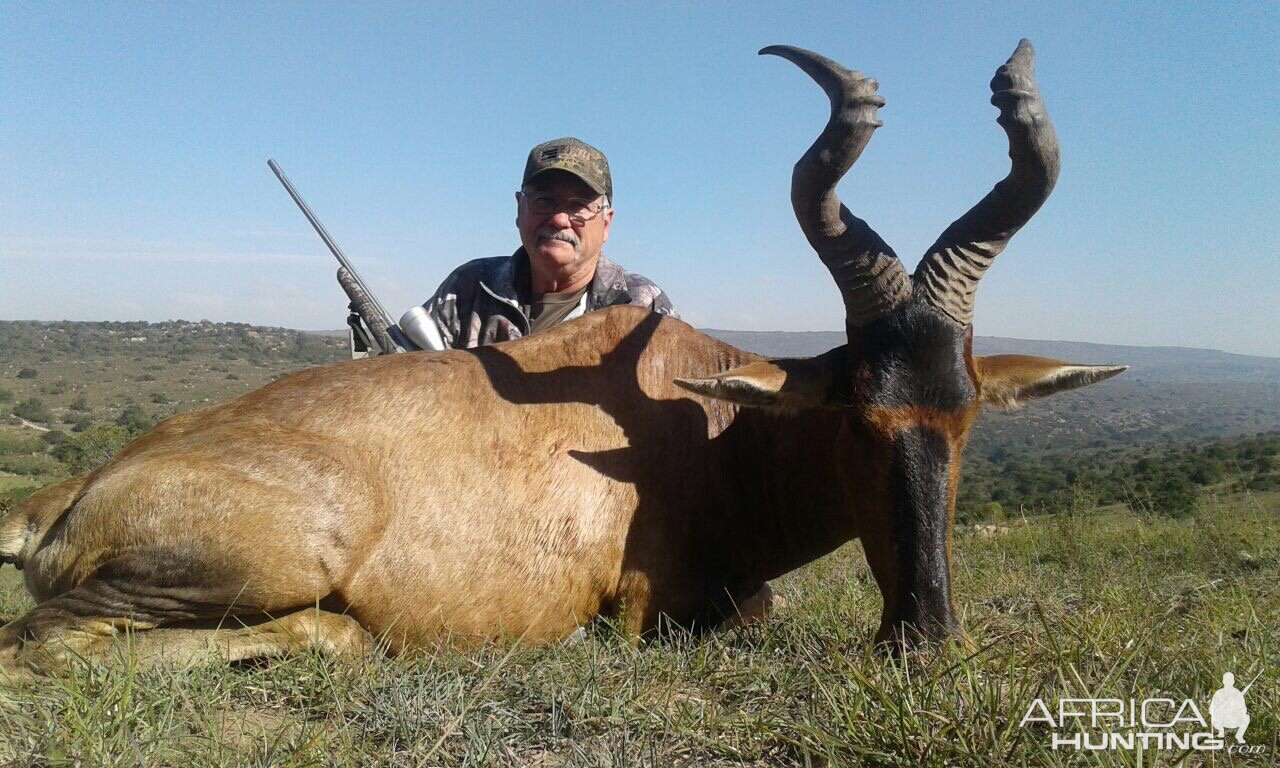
608, 285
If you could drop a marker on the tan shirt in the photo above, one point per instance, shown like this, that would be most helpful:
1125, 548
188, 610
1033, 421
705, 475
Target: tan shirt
549, 309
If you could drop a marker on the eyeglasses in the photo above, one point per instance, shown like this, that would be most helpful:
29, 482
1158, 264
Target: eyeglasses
580, 211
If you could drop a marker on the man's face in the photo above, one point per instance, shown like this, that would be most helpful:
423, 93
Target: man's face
553, 241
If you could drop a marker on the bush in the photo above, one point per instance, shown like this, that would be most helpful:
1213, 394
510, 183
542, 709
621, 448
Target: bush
20, 443
55, 388
91, 448
1175, 497
32, 409
6, 396
28, 373
33, 464
82, 423
54, 436
80, 404
159, 398
10, 498
134, 419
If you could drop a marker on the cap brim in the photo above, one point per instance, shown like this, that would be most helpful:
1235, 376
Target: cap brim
594, 187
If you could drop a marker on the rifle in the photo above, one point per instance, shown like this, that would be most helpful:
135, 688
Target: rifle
1250, 685
370, 324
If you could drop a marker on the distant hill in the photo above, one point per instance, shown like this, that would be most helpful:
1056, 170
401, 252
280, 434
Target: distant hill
1169, 393
1167, 365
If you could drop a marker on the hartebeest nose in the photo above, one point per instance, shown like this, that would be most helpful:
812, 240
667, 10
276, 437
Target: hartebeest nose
917, 567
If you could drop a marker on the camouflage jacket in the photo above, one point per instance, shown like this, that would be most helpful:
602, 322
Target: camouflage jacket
479, 303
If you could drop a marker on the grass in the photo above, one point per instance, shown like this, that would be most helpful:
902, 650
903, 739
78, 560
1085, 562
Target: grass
15, 482
109, 383
1098, 603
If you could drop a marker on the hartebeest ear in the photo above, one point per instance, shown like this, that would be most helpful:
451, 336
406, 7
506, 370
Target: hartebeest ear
790, 382
1010, 380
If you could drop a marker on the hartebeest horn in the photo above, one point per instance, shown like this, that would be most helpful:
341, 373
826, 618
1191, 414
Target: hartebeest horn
871, 279
950, 271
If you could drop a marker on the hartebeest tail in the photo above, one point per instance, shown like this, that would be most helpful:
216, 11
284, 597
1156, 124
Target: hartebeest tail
521, 489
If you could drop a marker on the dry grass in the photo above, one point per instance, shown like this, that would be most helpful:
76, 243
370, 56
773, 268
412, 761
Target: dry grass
1096, 603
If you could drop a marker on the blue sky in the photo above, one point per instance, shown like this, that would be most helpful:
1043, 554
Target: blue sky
134, 139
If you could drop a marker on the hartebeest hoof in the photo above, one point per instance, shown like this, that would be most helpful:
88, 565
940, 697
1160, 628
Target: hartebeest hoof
899, 639
755, 608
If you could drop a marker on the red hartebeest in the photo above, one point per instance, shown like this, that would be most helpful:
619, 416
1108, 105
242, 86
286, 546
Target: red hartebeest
622, 464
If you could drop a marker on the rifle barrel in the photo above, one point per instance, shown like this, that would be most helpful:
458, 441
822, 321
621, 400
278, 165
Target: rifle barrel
1251, 682
328, 241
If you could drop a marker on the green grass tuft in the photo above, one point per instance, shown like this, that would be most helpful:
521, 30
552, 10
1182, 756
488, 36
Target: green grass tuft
1093, 603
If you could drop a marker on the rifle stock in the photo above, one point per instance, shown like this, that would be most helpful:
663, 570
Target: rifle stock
367, 312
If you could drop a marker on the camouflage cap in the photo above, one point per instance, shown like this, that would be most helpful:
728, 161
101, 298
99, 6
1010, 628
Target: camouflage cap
573, 156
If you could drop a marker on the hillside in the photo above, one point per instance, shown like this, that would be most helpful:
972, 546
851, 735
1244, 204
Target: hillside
1164, 365
1168, 393
97, 383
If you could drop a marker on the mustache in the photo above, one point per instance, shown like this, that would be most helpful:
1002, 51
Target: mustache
547, 233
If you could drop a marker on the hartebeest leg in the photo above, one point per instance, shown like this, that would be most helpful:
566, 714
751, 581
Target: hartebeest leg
48, 637
297, 632
182, 618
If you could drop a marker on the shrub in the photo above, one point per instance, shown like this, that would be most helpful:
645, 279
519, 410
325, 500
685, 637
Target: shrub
134, 419
159, 398
80, 404
32, 409
33, 464
6, 396
1175, 497
91, 448
28, 373
55, 388
10, 498
20, 443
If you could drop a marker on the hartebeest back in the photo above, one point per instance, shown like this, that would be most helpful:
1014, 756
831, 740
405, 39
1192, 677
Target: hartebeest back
527, 487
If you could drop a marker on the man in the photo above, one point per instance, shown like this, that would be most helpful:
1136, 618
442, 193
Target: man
1227, 708
563, 212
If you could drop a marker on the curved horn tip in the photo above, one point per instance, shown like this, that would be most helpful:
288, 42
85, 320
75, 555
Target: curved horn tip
1016, 77
814, 64
838, 81
1024, 54
785, 51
